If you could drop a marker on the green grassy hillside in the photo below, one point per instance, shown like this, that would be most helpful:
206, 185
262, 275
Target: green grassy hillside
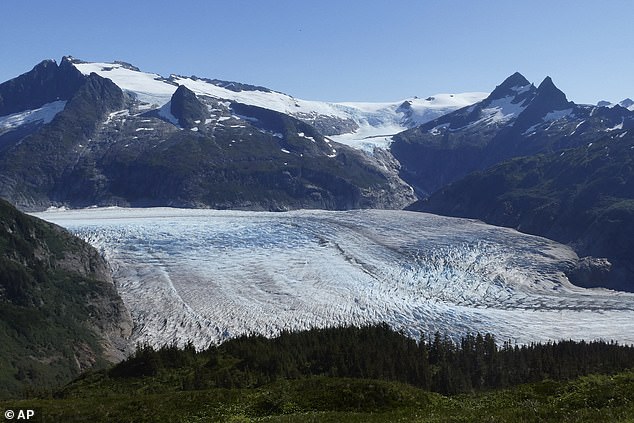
592, 398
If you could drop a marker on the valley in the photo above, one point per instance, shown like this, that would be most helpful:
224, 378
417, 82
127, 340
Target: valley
226, 209
317, 211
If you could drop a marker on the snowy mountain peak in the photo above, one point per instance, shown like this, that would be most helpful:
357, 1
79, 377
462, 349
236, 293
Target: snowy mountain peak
517, 119
361, 125
627, 103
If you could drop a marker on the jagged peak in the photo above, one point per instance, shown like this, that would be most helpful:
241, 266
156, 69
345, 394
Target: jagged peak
515, 80
509, 87
183, 90
547, 88
547, 84
71, 60
45, 64
186, 107
548, 98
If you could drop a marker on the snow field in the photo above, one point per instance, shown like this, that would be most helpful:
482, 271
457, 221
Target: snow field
376, 121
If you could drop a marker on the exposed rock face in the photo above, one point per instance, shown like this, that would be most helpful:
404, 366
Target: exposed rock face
35, 170
590, 272
547, 99
187, 108
328, 125
60, 313
397, 194
112, 320
45, 83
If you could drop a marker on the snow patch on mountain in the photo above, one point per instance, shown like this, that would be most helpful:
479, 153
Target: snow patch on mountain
521, 89
502, 110
165, 111
556, 115
44, 115
439, 129
615, 127
149, 88
379, 121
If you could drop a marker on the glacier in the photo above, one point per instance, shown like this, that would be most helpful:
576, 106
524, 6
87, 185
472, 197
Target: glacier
203, 276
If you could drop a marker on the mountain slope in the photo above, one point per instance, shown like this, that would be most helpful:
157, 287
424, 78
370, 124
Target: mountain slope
59, 311
33, 167
516, 119
151, 141
582, 196
46, 83
239, 156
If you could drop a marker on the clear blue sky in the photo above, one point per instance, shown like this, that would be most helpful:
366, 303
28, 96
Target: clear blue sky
371, 50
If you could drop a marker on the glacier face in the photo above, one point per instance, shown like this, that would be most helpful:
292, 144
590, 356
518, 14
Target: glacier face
206, 275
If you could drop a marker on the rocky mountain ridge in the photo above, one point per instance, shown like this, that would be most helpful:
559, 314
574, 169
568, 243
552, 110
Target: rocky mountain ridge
109, 146
516, 119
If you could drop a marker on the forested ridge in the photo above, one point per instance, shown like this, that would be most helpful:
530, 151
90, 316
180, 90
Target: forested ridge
354, 374
435, 363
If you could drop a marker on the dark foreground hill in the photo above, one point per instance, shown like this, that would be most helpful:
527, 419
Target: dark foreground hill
592, 399
354, 374
60, 313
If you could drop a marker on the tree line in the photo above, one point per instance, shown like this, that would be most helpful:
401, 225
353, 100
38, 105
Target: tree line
436, 363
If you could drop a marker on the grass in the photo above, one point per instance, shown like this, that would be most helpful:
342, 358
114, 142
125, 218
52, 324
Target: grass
321, 399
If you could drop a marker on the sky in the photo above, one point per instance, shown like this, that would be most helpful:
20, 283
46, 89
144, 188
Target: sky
345, 50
